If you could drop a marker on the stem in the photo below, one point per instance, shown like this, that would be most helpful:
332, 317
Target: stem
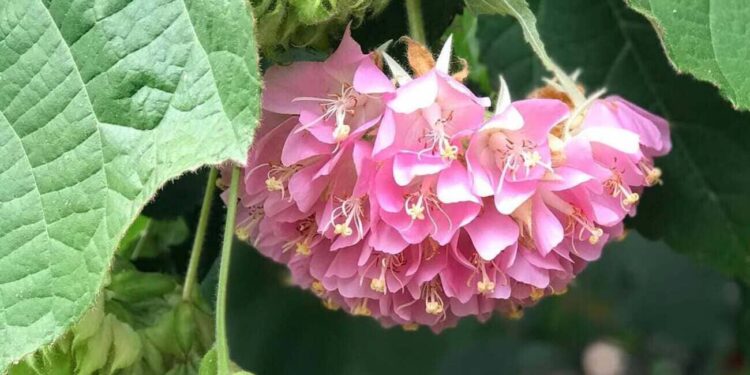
527, 21
416, 24
141, 241
222, 346
200, 235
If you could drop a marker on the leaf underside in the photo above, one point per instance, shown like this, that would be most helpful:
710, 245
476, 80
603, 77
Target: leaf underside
703, 208
100, 104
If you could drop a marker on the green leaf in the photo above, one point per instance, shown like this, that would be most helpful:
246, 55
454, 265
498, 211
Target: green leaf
466, 46
703, 208
708, 39
100, 104
520, 10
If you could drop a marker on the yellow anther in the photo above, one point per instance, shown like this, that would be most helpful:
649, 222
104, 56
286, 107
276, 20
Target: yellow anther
274, 184
433, 307
516, 313
416, 212
342, 229
317, 288
557, 150
485, 286
302, 248
536, 294
560, 292
450, 152
378, 285
361, 309
531, 160
242, 233
631, 198
410, 327
654, 176
596, 234
340, 132
330, 304
221, 185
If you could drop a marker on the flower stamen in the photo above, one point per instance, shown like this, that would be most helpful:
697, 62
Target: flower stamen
437, 139
420, 205
361, 309
652, 173
352, 211
303, 242
337, 106
616, 188
278, 176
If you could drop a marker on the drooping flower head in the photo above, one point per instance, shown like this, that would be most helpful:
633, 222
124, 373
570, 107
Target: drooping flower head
403, 199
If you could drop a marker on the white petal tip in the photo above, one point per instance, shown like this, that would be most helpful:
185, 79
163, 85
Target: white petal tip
384, 46
399, 73
444, 59
503, 97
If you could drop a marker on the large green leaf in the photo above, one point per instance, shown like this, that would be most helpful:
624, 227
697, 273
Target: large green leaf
708, 39
100, 104
703, 209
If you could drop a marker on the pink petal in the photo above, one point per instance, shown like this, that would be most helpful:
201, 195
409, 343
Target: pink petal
387, 239
546, 229
306, 190
454, 186
511, 195
302, 145
491, 233
407, 165
618, 139
525, 272
344, 61
369, 79
540, 116
283, 84
417, 94
389, 195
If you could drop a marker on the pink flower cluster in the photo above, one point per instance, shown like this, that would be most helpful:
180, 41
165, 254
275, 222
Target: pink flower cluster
402, 199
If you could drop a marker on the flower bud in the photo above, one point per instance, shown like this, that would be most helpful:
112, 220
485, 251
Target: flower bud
127, 346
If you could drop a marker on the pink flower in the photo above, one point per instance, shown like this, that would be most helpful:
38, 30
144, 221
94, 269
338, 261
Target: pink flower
334, 99
408, 205
509, 155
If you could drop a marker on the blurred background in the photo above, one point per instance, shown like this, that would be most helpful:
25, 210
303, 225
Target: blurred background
641, 309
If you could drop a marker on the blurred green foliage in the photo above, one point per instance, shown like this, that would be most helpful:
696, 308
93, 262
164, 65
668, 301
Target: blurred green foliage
665, 311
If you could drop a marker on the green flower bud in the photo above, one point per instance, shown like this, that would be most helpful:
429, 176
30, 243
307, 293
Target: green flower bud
204, 323
135, 286
126, 346
208, 363
281, 23
92, 356
89, 325
153, 360
185, 330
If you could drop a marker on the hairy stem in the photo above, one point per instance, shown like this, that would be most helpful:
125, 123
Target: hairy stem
416, 23
200, 235
222, 345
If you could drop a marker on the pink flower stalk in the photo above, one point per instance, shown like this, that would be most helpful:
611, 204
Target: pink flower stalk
402, 200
